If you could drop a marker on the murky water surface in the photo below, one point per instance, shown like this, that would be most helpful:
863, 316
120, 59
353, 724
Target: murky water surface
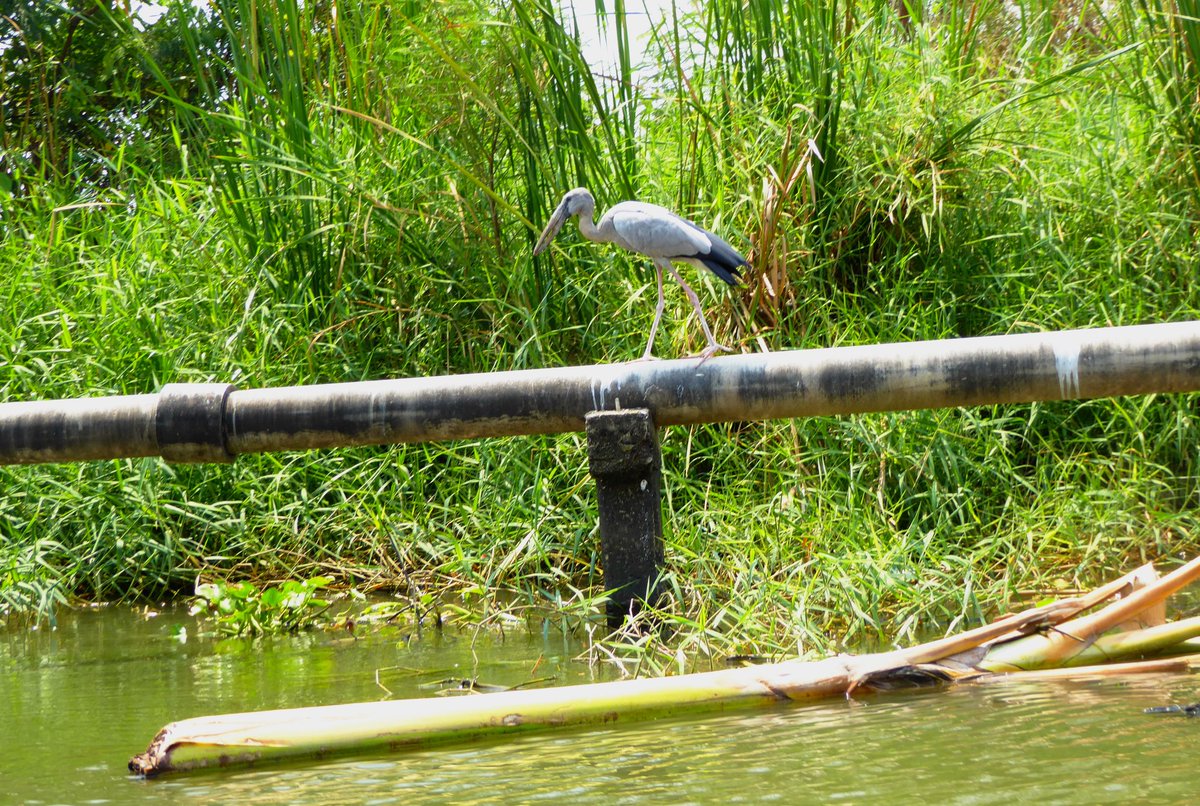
78, 701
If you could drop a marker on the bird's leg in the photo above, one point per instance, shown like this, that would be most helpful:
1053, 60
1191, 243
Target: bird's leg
658, 312
714, 346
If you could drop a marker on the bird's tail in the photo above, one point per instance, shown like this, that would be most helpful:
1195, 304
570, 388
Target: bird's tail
723, 260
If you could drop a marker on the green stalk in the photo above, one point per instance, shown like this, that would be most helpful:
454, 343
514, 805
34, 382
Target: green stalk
250, 737
1058, 645
1136, 644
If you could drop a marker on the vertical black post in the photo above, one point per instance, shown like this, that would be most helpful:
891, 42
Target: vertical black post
624, 459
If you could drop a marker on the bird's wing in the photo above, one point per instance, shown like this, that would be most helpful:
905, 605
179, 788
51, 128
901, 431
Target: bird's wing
656, 231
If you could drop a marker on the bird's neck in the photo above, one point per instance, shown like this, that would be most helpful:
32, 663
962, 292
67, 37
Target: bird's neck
587, 227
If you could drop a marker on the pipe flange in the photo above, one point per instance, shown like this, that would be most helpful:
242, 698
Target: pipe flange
190, 422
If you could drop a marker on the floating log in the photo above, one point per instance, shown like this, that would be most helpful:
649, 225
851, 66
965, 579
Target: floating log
1029, 640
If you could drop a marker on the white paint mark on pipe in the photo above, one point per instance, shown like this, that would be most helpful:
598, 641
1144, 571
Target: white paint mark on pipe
1066, 363
603, 386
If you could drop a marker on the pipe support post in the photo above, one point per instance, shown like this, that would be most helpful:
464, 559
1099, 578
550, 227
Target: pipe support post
625, 460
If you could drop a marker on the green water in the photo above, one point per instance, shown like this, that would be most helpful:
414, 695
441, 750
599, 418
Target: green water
78, 701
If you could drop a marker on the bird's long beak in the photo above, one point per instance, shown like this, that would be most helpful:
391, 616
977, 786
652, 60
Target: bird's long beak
555, 224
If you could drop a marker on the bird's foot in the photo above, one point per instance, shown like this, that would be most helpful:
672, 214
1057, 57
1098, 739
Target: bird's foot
710, 351
646, 356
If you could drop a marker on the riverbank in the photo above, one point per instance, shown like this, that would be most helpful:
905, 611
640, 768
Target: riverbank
306, 200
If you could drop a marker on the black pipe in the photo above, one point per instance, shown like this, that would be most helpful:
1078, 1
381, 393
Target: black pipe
842, 380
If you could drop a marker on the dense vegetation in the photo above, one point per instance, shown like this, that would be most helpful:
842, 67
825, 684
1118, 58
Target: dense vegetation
274, 192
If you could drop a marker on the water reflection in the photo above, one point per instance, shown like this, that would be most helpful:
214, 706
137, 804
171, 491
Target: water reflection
85, 699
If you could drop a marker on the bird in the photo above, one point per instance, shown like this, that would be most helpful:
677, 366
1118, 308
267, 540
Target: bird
660, 235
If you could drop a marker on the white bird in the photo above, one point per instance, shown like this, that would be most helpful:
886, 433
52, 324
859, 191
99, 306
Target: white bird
660, 235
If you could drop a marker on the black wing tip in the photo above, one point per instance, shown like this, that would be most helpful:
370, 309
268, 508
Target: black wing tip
726, 266
730, 276
723, 260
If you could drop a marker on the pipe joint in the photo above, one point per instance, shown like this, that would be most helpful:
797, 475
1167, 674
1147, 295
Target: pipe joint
190, 422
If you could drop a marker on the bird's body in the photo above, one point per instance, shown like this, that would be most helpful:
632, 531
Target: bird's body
657, 233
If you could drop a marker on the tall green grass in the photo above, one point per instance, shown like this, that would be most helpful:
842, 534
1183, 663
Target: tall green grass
325, 193
1167, 78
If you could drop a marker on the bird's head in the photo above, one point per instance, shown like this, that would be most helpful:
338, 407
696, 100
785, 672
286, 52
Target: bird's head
576, 202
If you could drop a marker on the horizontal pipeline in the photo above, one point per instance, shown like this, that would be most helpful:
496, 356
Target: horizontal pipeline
216, 422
